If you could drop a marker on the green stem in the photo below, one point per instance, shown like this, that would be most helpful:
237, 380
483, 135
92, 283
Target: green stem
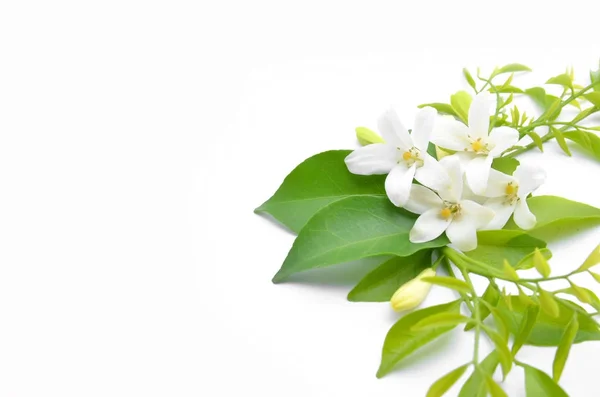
477, 313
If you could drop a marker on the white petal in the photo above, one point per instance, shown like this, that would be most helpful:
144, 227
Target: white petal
423, 128
422, 200
374, 159
462, 232
432, 174
530, 177
453, 191
497, 182
479, 115
451, 134
478, 172
523, 217
502, 211
502, 138
428, 226
398, 184
393, 131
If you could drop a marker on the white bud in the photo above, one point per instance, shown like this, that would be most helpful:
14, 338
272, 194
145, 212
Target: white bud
411, 294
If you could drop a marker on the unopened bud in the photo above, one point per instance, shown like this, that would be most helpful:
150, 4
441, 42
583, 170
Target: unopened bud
366, 137
411, 294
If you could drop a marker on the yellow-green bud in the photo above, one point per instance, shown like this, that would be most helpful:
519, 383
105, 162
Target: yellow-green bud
411, 294
366, 137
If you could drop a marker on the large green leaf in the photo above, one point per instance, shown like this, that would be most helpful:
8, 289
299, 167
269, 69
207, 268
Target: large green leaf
538, 384
401, 341
494, 246
381, 283
548, 330
318, 181
350, 229
588, 141
512, 68
475, 385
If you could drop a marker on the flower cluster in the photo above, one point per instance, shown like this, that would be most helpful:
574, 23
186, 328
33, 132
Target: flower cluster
460, 193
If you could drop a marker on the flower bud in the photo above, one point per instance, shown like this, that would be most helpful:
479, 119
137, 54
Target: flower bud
366, 137
411, 294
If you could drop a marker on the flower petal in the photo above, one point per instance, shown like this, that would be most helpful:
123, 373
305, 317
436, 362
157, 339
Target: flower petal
393, 131
462, 232
523, 217
450, 134
478, 172
398, 184
530, 177
422, 200
432, 174
502, 211
502, 138
374, 159
452, 191
497, 182
423, 128
479, 115
428, 226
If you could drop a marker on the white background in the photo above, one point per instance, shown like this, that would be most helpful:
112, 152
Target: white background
136, 137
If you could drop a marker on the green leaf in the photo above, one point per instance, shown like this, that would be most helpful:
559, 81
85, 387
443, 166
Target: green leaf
502, 348
509, 89
432, 150
469, 79
595, 275
584, 114
352, 229
592, 260
536, 139
527, 261
366, 137
593, 97
540, 263
562, 79
316, 183
595, 78
511, 68
491, 296
509, 272
548, 303
580, 293
449, 282
560, 139
527, 323
588, 141
494, 388
538, 384
440, 320
401, 341
381, 283
548, 330
476, 381
507, 165
461, 101
442, 385
562, 353
538, 94
442, 108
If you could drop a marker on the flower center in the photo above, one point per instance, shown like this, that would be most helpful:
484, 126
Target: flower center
478, 146
450, 210
412, 156
511, 190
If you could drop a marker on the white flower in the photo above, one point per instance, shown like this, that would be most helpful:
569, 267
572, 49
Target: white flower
476, 141
402, 156
447, 211
509, 195
411, 294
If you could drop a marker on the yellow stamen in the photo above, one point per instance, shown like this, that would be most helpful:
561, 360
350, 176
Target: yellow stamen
511, 189
406, 156
477, 146
446, 213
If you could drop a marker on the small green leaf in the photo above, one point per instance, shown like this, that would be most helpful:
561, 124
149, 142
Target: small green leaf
449, 282
562, 79
440, 320
560, 139
538, 94
562, 353
595, 275
580, 293
509, 271
588, 141
584, 114
469, 79
490, 296
540, 263
538, 384
512, 68
527, 324
502, 348
461, 102
442, 385
442, 108
527, 262
366, 137
553, 108
401, 341
592, 260
476, 381
548, 303
509, 89
525, 299
593, 97
494, 388
536, 139
381, 283
506, 165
